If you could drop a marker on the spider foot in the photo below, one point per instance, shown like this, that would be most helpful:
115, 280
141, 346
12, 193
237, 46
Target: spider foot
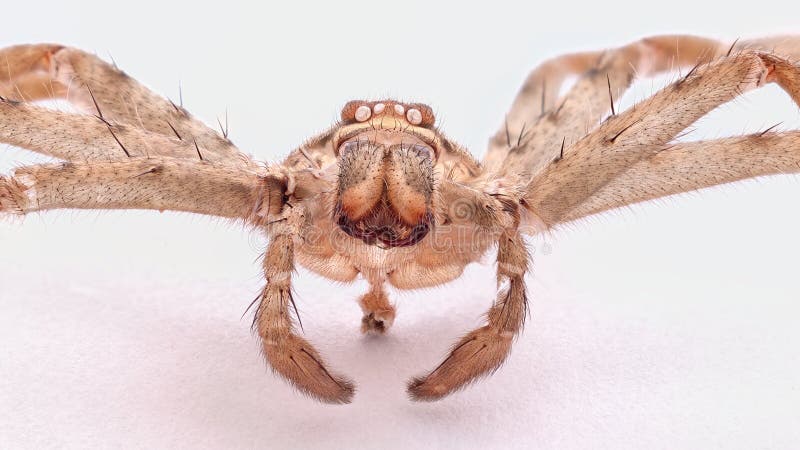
301, 364
478, 354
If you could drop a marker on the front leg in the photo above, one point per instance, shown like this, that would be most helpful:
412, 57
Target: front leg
288, 354
482, 351
139, 183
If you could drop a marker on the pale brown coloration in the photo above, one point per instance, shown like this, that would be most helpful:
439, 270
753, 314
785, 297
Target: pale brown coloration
379, 313
36, 72
384, 194
287, 353
483, 350
136, 183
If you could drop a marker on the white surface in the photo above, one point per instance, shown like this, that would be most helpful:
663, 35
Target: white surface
671, 325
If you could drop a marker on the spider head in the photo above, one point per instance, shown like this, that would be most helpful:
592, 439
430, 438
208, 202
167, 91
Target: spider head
386, 153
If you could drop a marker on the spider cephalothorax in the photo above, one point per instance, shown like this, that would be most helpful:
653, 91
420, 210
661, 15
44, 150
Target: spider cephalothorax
386, 156
383, 194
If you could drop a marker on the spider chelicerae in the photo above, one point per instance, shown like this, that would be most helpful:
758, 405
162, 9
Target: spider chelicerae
384, 194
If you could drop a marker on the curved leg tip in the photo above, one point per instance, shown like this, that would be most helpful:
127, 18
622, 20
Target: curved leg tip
478, 354
297, 361
421, 390
341, 392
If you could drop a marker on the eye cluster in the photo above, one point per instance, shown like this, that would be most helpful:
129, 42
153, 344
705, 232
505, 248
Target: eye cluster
414, 113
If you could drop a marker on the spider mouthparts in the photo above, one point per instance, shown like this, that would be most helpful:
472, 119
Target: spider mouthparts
383, 228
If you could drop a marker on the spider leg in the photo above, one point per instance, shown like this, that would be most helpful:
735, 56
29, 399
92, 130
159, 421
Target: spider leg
685, 167
537, 96
627, 138
542, 130
287, 353
46, 71
76, 137
139, 183
483, 350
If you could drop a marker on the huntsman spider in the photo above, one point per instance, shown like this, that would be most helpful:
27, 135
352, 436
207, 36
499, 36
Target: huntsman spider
383, 193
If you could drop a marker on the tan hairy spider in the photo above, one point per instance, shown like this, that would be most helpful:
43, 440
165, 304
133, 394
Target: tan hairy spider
383, 193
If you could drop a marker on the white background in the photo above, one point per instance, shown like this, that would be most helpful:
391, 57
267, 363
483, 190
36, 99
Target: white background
670, 325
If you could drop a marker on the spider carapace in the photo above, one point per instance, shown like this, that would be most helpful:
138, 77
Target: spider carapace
383, 194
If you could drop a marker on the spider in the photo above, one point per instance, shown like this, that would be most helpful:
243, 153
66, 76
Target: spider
384, 194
